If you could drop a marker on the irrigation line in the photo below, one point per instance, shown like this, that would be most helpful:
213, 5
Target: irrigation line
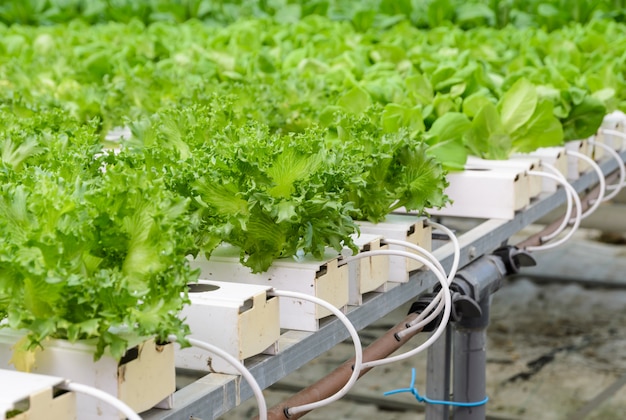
535, 240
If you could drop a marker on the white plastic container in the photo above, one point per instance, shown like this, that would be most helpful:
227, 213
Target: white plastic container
614, 121
323, 279
116, 134
144, 378
368, 274
554, 156
524, 164
35, 397
401, 227
238, 318
486, 194
597, 152
576, 166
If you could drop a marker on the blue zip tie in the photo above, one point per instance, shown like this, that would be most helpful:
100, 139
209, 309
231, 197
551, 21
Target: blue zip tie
424, 399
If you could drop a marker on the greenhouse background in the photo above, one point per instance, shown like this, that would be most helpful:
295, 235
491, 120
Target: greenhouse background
236, 209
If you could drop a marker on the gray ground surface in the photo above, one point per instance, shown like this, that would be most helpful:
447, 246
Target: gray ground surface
555, 350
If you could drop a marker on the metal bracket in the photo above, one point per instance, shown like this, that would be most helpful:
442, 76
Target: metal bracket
472, 285
464, 307
418, 307
515, 258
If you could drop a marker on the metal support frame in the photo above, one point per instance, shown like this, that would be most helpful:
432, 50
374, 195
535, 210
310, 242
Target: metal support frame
479, 281
470, 360
438, 373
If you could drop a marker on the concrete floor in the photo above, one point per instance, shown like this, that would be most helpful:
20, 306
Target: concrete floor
556, 350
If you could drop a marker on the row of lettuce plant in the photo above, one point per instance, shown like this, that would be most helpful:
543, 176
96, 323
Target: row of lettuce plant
417, 76
280, 194
96, 240
271, 136
551, 14
91, 245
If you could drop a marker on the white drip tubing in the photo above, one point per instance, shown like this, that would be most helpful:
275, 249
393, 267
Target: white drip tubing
358, 359
594, 203
120, 405
254, 385
445, 290
622, 170
577, 210
568, 195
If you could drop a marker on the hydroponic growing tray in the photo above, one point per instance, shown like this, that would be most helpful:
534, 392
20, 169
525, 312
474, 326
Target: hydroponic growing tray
209, 395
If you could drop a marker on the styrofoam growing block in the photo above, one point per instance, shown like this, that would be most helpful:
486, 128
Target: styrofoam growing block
238, 318
118, 133
30, 396
554, 156
614, 121
370, 273
323, 279
144, 378
535, 183
597, 152
402, 227
576, 166
486, 194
